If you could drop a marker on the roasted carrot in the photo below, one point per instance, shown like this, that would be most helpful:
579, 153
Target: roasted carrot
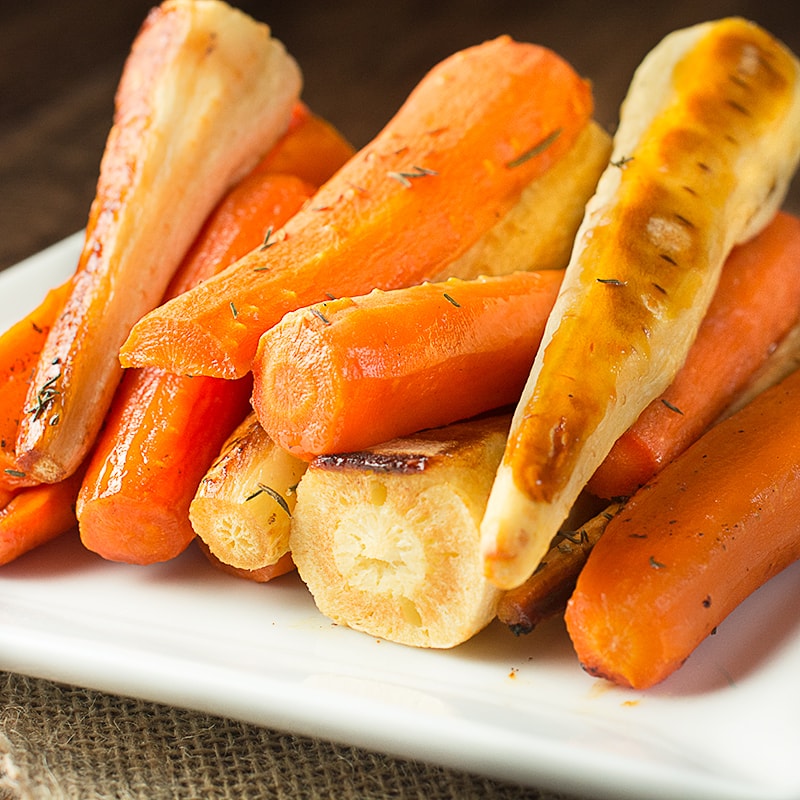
204, 93
37, 514
20, 347
308, 149
355, 372
743, 324
710, 528
703, 155
477, 130
282, 566
164, 430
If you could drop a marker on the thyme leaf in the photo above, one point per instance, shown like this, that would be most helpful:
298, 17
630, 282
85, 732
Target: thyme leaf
534, 151
405, 177
452, 300
45, 397
612, 281
276, 496
267, 239
320, 316
671, 406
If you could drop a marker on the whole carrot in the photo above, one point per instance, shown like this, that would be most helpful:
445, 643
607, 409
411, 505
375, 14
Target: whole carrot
20, 348
204, 93
476, 131
164, 430
709, 529
743, 324
355, 372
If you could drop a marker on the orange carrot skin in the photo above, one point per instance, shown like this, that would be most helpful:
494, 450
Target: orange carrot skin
743, 324
37, 514
283, 566
478, 129
20, 347
351, 373
308, 149
709, 529
161, 435
164, 430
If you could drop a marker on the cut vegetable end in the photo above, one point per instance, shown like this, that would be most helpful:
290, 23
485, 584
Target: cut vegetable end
141, 344
227, 531
160, 534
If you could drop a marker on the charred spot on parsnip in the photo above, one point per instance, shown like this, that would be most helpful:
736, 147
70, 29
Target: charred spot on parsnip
699, 177
387, 540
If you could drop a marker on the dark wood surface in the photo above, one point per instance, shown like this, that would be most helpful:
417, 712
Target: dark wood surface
60, 62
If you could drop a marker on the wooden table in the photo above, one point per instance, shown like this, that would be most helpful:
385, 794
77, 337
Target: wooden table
60, 62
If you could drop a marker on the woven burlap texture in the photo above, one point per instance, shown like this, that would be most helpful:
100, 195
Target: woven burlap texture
62, 742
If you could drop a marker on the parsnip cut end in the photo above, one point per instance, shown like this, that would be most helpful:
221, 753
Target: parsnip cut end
387, 540
243, 506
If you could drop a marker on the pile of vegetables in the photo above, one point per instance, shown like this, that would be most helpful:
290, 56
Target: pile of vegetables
262, 318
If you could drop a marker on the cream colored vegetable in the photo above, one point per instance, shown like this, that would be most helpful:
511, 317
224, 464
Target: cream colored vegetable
387, 538
709, 138
204, 93
243, 506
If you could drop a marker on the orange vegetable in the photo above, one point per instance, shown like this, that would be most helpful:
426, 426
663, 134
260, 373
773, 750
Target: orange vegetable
477, 130
37, 514
164, 430
204, 93
710, 528
347, 374
744, 323
282, 566
308, 149
20, 347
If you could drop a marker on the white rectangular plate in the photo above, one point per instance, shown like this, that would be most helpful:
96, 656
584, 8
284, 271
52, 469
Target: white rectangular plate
727, 725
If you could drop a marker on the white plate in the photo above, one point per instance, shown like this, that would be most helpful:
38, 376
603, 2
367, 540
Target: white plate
726, 726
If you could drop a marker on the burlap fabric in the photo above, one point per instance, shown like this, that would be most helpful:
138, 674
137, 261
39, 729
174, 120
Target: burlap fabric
59, 742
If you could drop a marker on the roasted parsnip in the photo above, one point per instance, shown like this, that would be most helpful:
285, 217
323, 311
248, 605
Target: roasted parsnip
708, 140
243, 506
204, 94
387, 538
546, 592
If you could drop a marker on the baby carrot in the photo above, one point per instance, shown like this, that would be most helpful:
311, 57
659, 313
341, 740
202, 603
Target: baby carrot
37, 514
478, 129
743, 324
204, 93
20, 347
164, 430
308, 149
710, 528
350, 373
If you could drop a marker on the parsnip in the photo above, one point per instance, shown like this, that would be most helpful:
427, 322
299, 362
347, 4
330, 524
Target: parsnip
709, 138
387, 538
204, 93
243, 506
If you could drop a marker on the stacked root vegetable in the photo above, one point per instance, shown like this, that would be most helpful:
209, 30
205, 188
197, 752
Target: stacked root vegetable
494, 364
